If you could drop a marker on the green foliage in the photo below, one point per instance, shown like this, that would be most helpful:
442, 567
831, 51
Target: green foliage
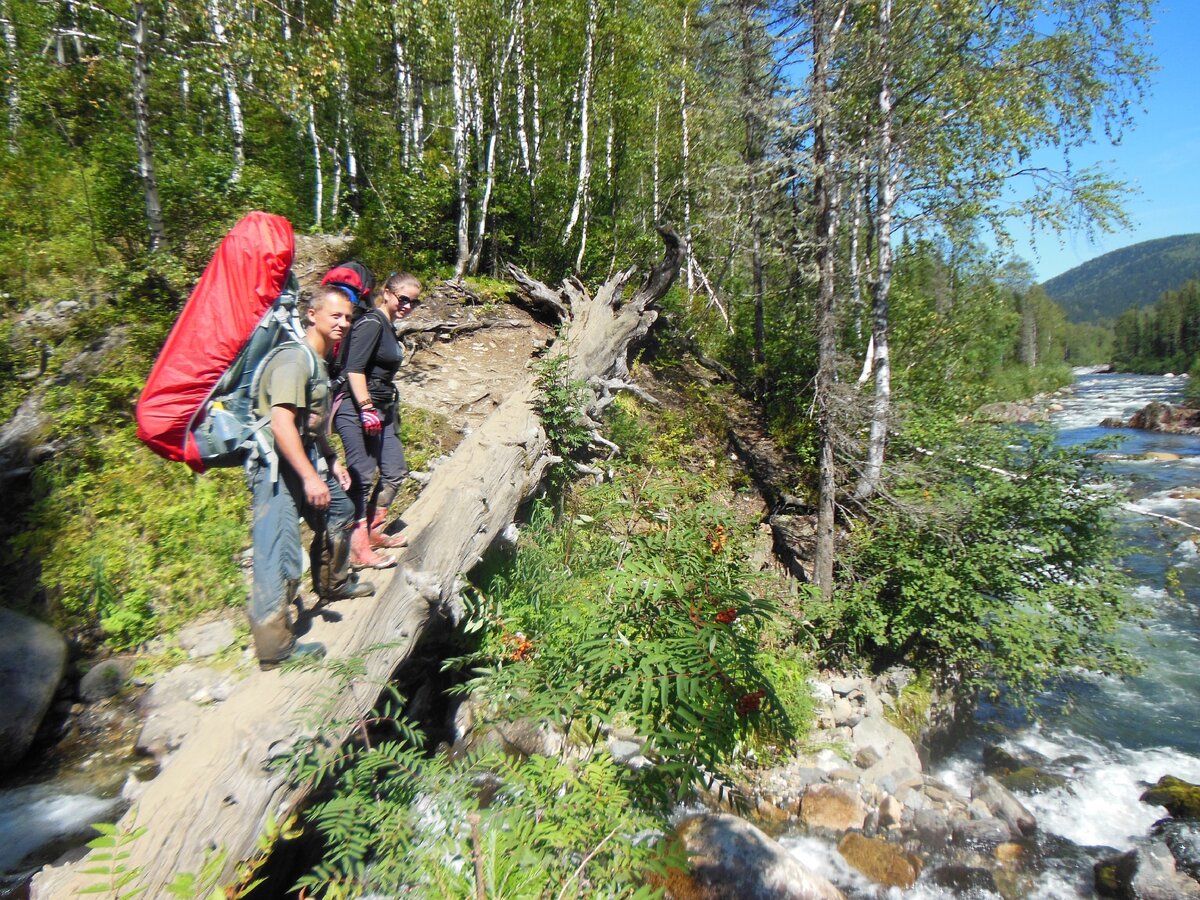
400, 821
107, 859
560, 405
1162, 338
131, 543
996, 563
637, 610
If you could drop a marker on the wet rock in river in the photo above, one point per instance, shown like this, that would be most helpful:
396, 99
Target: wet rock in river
1031, 780
729, 857
963, 879
1183, 840
1181, 798
982, 833
1144, 873
880, 860
33, 658
1003, 805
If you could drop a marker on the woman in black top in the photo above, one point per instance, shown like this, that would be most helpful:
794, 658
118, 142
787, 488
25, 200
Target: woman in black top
368, 418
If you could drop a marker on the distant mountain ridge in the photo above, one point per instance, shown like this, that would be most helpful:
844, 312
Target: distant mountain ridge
1137, 275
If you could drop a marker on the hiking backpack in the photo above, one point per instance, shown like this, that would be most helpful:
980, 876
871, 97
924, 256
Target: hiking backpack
198, 403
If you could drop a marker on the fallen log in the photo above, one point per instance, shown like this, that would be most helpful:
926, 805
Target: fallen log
222, 788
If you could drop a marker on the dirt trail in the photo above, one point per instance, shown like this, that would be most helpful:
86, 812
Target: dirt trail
474, 359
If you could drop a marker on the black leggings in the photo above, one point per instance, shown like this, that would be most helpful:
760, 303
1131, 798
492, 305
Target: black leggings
371, 455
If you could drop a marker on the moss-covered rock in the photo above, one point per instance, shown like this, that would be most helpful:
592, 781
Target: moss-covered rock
1031, 780
1181, 798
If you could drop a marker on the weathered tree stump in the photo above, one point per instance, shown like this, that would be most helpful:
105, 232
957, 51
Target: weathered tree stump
222, 788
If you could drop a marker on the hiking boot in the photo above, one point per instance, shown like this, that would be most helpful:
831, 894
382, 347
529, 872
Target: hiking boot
312, 651
349, 590
361, 554
386, 541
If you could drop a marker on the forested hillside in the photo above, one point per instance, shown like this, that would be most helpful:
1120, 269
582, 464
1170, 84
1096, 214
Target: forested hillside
1134, 276
1163, 337
830, 177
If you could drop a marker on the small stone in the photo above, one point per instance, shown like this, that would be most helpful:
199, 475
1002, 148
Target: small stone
1008, 852
867, 757
841, 710
890, 812
933, 827
844, 686
843, 774
937, 794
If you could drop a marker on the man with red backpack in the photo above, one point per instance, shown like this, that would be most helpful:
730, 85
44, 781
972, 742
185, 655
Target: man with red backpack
310, 482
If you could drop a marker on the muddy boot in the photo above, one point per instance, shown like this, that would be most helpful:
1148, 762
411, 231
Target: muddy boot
312, 651
361, 554
273, 638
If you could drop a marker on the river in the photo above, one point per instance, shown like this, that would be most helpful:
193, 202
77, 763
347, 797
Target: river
1118, 733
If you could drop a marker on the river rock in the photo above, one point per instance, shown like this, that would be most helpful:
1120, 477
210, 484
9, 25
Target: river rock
982, 833
1165, 418
968, 880
1158, 456
1031, 780
896, 751
880, 860
728, 857
33, 658
206, 639
1183, 840
1181, 798
1144, 873
841, 710
932, 827
1004, 805
832, 807
105, 679
890, 811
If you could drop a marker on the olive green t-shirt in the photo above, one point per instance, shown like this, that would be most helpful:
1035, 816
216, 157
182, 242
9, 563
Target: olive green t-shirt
285, 382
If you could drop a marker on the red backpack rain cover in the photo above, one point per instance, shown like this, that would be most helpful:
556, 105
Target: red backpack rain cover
246, 274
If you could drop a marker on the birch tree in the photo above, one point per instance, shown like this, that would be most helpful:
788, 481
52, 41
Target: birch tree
141, 118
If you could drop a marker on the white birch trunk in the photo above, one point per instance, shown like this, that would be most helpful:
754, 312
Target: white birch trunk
12, 84
657, 203
460, 146
522, 94
237, 125
535, 119
685, 155
490, 155
881, 408
579, 205
318, 174
141, 117
403, 83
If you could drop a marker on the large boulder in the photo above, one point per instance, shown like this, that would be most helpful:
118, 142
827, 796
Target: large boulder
728, 857
33, 657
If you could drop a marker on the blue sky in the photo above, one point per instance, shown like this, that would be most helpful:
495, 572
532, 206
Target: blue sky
1159, 156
